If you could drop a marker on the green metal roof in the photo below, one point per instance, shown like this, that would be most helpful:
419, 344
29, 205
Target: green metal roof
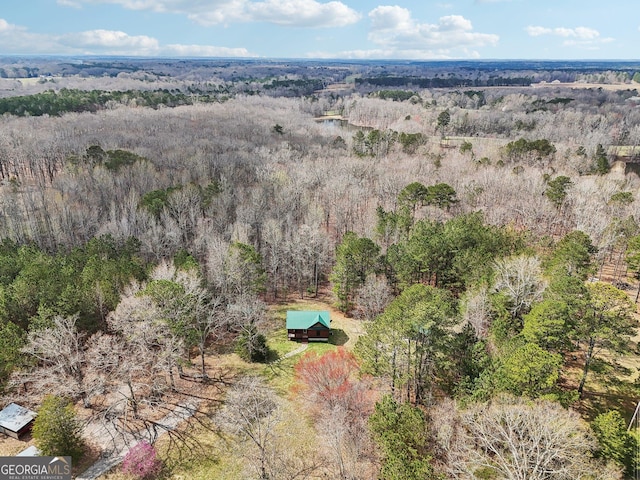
305, 319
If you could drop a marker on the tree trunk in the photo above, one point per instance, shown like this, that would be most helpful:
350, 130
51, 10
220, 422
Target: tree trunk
420, 371
132, 400
204, 372
616, 268
393, 374
263, 464
587, 364
172, 380
315, 279
409, 371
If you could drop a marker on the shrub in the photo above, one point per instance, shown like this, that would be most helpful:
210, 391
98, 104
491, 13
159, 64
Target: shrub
522, 148
57, 429
142, 461
616, 443
251, 346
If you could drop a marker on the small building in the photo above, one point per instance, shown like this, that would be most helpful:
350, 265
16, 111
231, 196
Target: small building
308, 326
15, 420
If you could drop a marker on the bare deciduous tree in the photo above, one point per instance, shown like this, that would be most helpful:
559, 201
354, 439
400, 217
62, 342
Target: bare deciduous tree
372, 297
477, 311
204, 314
151, 349
520, 279
252, 412
61, 361
294, 455
514, 438
348, 443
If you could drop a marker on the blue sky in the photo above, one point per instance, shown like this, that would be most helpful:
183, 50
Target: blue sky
353, 29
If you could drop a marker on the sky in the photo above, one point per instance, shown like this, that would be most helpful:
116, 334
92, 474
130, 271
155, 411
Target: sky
331, 29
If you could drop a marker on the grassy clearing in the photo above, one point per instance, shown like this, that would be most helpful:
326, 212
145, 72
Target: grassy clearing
346, 331
214, 457
612, 384
10, 446
280, 374
279, 343
223, 458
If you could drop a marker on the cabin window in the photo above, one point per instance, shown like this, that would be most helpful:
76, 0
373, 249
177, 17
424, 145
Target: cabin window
304, 331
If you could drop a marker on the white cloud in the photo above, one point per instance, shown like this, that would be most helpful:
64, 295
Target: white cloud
6, 27
111, 42
455, 22
204, 51
586, 33
390, 17
69, 3
579, 32
303, 13
537, 31
353, 54
396, 34
381, 54
296, 13
394, 29
588, 44
583, 33
575, 37
18, 40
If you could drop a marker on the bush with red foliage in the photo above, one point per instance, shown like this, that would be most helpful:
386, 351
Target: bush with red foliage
142, 462
331, 380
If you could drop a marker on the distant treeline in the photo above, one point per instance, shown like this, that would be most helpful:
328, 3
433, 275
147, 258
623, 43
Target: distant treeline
307, 85
66, 100
444, 82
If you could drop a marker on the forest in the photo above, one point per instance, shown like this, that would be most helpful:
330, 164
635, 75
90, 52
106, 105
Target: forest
472, 227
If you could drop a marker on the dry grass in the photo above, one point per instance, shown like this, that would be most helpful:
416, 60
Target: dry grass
215, 455
612, 382
10, 447
346, 329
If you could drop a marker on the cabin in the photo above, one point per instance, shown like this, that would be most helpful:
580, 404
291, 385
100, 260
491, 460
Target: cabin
16, 421
308, 326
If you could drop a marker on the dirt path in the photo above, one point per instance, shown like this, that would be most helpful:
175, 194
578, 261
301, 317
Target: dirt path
298, 350
116, 447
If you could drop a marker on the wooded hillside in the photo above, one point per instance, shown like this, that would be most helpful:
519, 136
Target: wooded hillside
483, 236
